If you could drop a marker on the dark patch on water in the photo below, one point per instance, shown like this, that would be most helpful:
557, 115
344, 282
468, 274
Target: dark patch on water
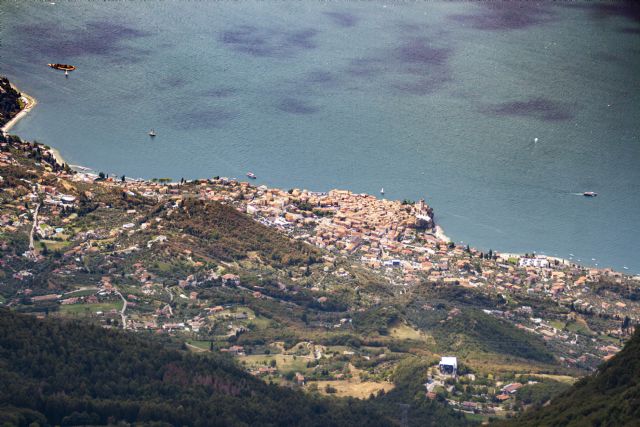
104, 38
420, 51
629, 9
536, 108
366, 67
605, 56
629, 30
506, 15
342, 19
268, 42
417, 66
296, 106
421, 86
172, 82
321, 78
220, 92
409, 27
205, 118
425, 64
300, 39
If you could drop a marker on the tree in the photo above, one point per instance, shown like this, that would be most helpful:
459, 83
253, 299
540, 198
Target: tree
330, 389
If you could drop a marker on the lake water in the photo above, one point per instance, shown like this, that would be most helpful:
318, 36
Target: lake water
440, 100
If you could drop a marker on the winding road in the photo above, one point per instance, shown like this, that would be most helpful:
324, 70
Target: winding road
124, 307
33, 230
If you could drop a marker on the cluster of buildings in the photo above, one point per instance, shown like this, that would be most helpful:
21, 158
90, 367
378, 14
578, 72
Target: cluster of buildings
400, 240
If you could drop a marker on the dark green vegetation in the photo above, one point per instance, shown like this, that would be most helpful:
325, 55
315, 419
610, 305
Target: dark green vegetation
611, 397
73, 373
229, 235
458, 324
540, 393
9, 102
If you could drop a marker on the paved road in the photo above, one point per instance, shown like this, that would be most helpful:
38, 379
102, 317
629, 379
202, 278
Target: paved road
33, 230
124, 307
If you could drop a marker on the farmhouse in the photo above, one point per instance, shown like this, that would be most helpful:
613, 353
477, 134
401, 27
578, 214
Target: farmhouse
449, 365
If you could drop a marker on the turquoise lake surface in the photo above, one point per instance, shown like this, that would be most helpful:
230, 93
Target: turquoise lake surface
441, 100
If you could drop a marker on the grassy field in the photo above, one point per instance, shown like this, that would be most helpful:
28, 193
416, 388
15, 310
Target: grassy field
75, 309
164, 266
403, 331
558, 324
352, 388
475, 417
198, 346
579, 326
284, 362
203, 345
54, 245
560, 378
258, 321
496, 363
81, 293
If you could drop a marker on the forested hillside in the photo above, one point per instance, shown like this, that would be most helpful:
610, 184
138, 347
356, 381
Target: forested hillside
71, 373
611, 397
57, 372
9, 102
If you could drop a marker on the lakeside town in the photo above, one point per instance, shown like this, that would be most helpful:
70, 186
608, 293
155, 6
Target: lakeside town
391, 214
582, 314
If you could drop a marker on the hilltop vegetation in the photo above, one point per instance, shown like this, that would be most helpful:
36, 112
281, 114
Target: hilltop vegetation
610, 397
229, 235
71, 373
9, 102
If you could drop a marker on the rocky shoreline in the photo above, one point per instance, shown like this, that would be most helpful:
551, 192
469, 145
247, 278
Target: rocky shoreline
14, 105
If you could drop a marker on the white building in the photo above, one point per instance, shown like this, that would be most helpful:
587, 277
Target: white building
534, 262
449, 365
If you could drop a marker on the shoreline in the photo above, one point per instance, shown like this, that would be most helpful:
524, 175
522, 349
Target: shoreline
56, 155
31, 103
438, 231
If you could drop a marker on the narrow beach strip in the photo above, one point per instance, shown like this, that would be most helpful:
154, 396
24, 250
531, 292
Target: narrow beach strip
30, 103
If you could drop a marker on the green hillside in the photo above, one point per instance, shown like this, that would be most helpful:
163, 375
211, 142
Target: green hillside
9, 101
72, 373
611, 397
